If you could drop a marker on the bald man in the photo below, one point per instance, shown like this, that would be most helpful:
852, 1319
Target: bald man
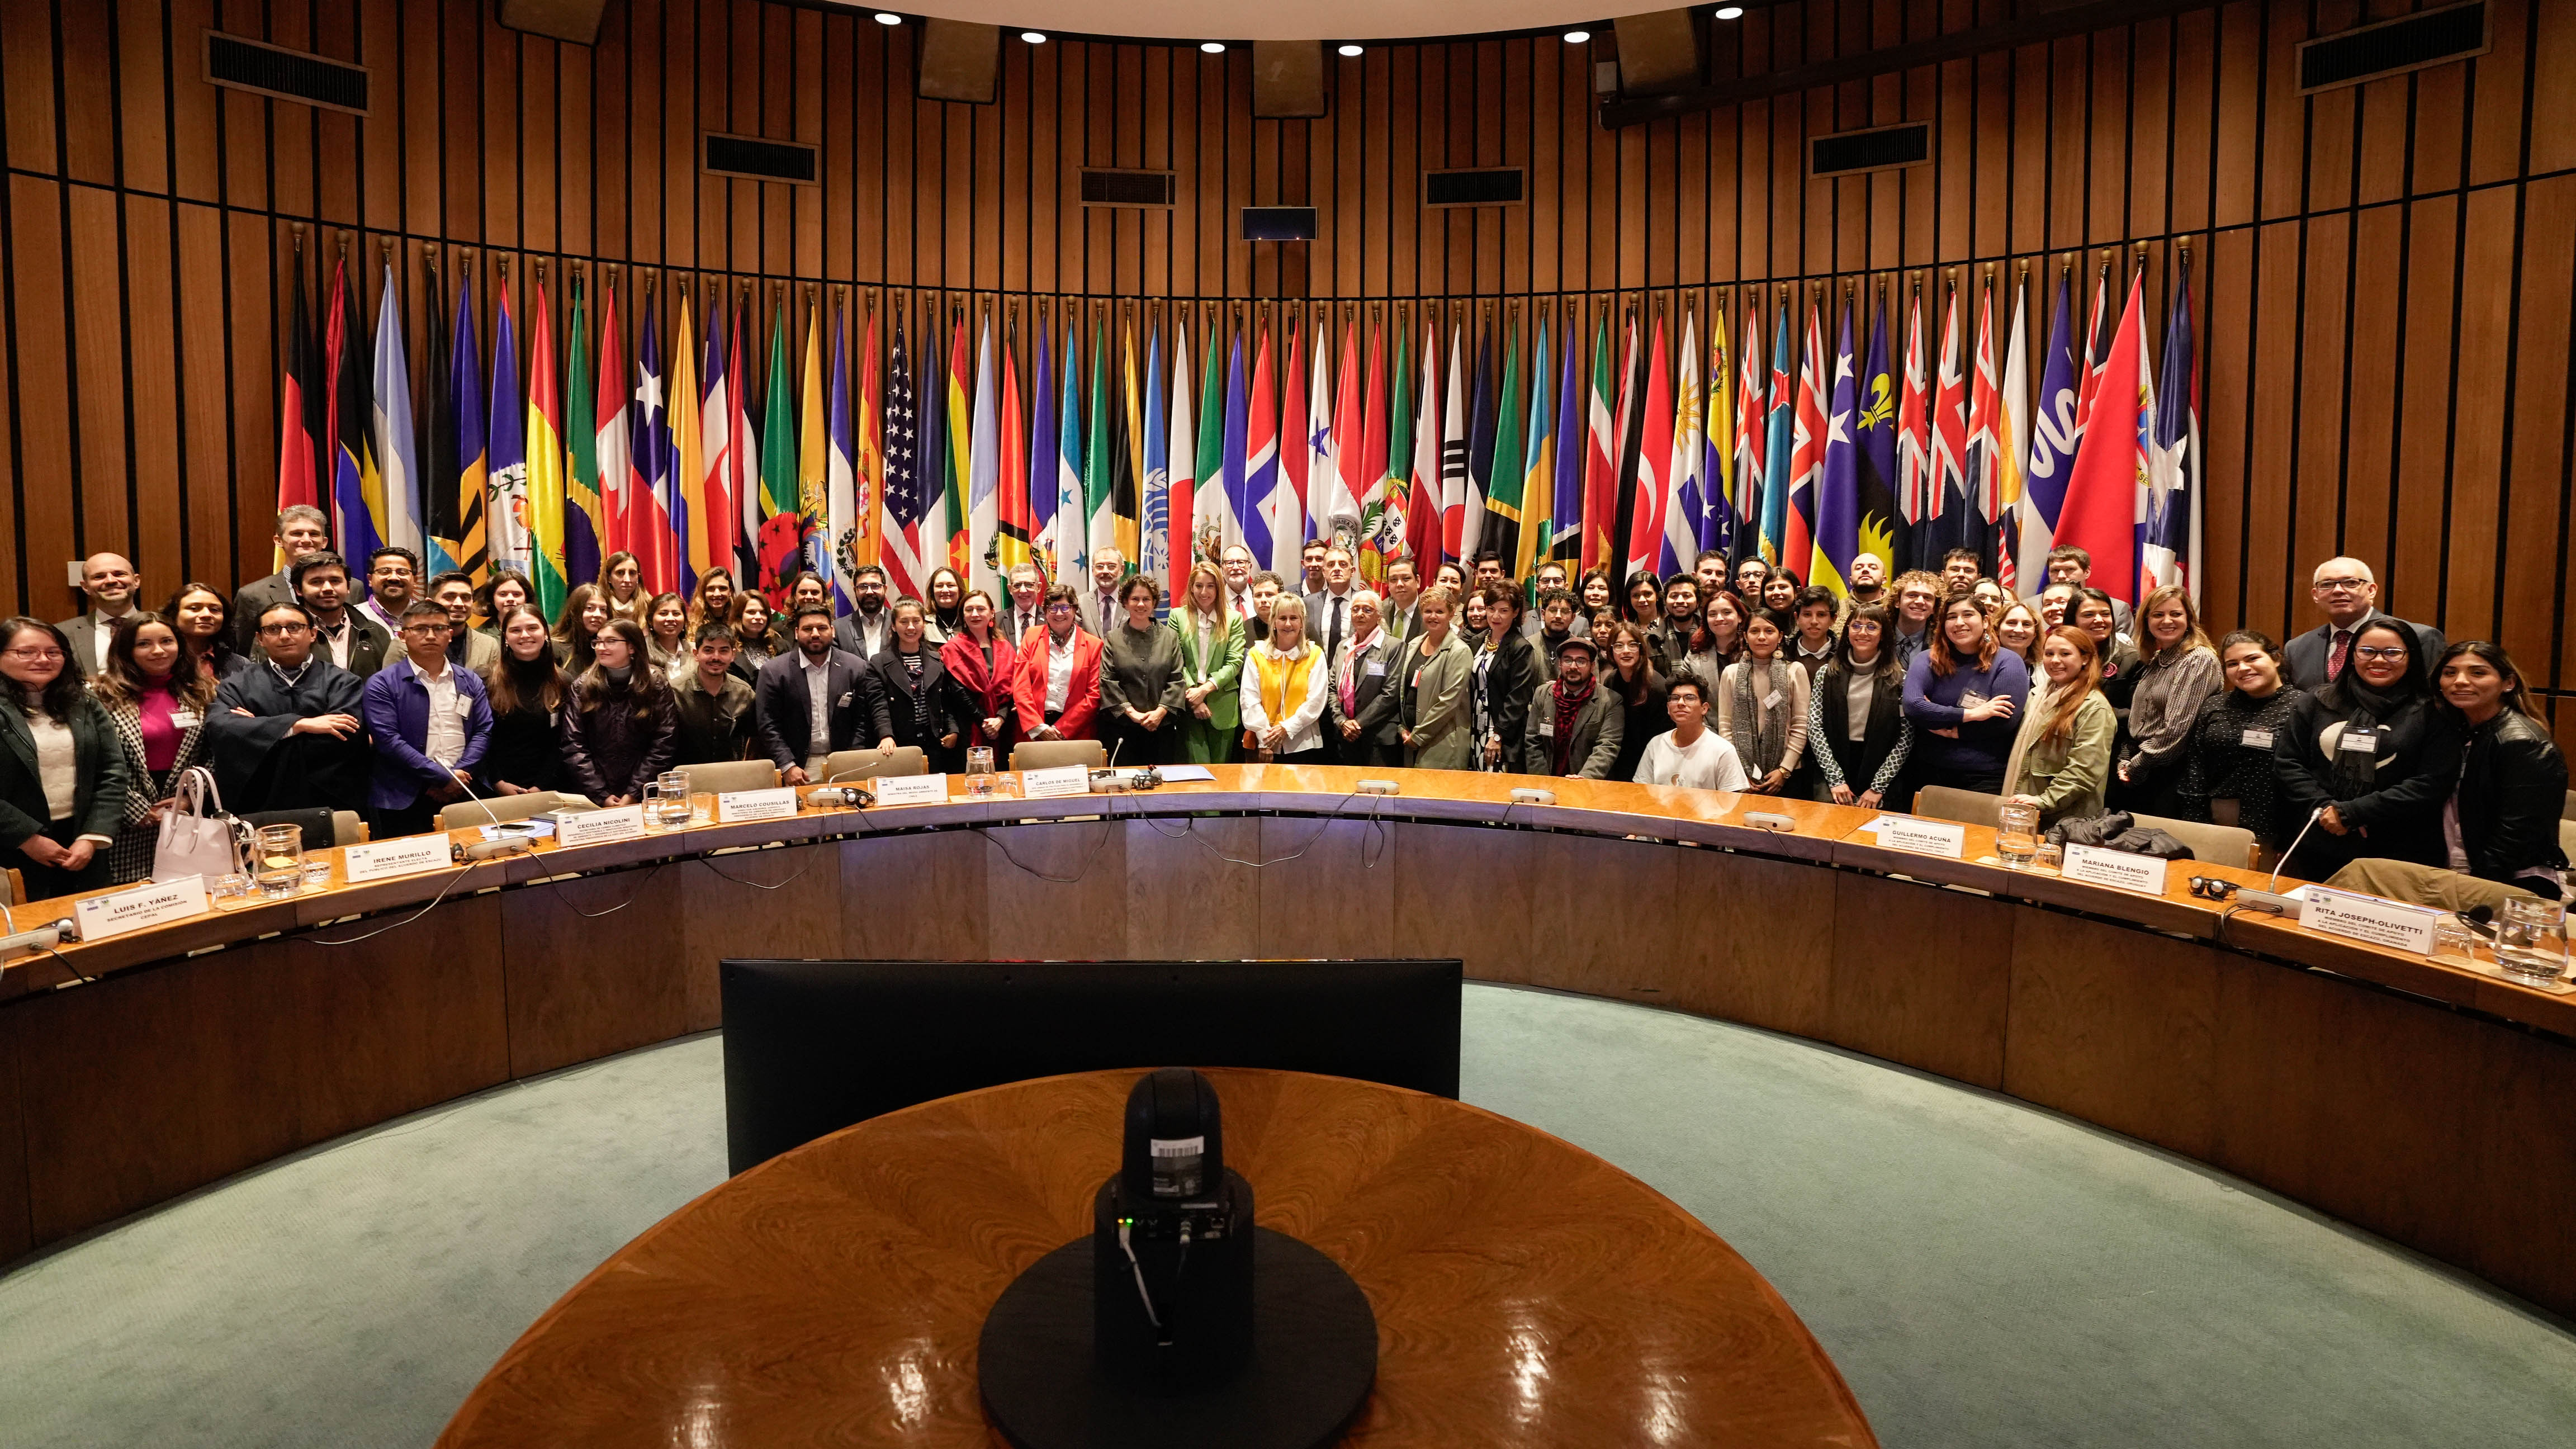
2348, 592
110, 581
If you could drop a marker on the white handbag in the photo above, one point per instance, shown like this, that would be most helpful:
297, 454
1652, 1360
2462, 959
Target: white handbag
197, 836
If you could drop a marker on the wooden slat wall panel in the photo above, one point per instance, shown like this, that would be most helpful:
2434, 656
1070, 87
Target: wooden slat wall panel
2385, 264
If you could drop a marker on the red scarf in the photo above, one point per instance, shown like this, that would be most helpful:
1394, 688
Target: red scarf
964, 660
1567, 707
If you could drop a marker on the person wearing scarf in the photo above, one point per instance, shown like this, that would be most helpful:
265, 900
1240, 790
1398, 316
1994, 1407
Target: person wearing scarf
1576, 728
1762, 708
2367, 757
977, 668
1361, 720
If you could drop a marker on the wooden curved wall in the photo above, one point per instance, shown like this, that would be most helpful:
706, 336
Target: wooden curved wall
2381, 270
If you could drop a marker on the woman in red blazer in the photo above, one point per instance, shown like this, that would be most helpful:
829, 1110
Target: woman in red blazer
980, 670
1078, 718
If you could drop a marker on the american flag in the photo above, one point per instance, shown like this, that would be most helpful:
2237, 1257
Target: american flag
908, 572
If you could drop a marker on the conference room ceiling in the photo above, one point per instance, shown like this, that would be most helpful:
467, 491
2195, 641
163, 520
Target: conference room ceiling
1307, 20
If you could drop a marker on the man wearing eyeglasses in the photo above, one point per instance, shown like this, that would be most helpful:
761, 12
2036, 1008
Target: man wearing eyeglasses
286, 726
2348, 593
430, 720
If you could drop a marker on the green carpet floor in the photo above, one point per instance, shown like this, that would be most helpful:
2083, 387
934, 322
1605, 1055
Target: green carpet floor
1984, 1273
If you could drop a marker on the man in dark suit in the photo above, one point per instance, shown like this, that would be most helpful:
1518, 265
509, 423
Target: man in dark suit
1397, 613
1097, 609
110, 581
301, 529
340, 633
814, 701
2349, 594
865, 630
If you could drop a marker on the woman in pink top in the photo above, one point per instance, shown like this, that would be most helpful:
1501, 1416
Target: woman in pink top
159, 711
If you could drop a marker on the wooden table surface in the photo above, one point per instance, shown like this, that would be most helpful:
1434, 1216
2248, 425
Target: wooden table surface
1527, 1292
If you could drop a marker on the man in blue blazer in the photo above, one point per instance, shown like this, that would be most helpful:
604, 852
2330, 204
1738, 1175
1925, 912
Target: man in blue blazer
430, 720
2348, 593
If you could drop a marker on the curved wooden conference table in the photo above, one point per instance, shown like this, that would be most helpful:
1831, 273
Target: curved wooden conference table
1526, 1292
2422, 1101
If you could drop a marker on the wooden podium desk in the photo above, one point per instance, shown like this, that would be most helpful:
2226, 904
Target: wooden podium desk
2419, 1100
1526, 1292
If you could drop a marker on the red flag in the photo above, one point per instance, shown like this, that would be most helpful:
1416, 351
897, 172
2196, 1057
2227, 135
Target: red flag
1949, 436
2103, 491
1290, 515
1422, 493
1807, 452
300, 409
1601, 464
2097, 347
1654, 459
1918, 494
1984, 465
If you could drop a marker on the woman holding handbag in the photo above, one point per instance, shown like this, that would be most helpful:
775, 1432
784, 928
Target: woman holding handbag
62, 773
158, 709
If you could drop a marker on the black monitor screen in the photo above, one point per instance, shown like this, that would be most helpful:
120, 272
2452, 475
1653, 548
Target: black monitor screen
813, 1046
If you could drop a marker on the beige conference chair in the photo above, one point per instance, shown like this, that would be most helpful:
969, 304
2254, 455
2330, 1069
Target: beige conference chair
1052, 754
497, 808
843, 765
2216, 844
724, 776
1968, 807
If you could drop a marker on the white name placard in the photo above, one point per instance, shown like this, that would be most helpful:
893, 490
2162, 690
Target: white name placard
1048, 784
2118, 869
2368, 918
408, 855
1929, 837
145, 905
912, 789
599, 827
773, 804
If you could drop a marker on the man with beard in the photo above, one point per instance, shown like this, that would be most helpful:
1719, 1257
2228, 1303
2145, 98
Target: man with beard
865, 631
817, 699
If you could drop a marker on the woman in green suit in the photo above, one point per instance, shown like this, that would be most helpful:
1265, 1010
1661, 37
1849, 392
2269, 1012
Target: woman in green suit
1211, 670
1435, 665
62, 770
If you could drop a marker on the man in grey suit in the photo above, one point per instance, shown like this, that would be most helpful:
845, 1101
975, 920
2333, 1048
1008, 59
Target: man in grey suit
301, 529
110, 582
2349, 594
1328, 609
1096, 609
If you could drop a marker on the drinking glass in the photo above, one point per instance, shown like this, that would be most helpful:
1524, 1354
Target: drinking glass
2453, 940
277, 859
2531, 939
2017, 833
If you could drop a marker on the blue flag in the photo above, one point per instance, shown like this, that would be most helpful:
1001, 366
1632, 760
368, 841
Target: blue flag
1775, 482
1876, 436
2173, 463
2053, 436
1838, 491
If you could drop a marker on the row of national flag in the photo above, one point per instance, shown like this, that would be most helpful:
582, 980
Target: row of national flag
938, 435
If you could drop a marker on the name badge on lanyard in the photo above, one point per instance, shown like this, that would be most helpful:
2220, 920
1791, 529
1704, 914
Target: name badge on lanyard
2359, 741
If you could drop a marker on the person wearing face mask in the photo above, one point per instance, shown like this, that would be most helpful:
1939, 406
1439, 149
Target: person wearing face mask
1965, 696
526, 689
158, 709
2179, 673
2227, 774
1576, 727
2369, 757
620, 728
1857, 731
2061, 754
2500, 823
62, 773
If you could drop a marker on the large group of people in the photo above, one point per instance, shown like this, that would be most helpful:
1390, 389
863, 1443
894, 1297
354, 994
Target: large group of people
2369, 747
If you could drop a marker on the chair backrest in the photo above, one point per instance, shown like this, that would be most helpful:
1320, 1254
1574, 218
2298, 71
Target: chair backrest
869, 764
1969, 807
497, 808
2568, 812
725, 775
2567, 838
1052, 754
348, 828
2216, 844
320, 825
13, 887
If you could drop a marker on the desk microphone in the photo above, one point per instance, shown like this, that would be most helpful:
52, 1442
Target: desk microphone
2269, 898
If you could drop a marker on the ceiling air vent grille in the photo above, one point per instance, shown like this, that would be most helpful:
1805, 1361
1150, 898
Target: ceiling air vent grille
1104, 187
286, 75
1490, 186
1880, 148
2392, 47
761, 160
1279, 223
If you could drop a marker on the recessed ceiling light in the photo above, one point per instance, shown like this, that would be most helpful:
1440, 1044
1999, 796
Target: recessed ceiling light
1351, 50
888, 17
1033, 37
1213, 47
1730, 12
1577, 37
